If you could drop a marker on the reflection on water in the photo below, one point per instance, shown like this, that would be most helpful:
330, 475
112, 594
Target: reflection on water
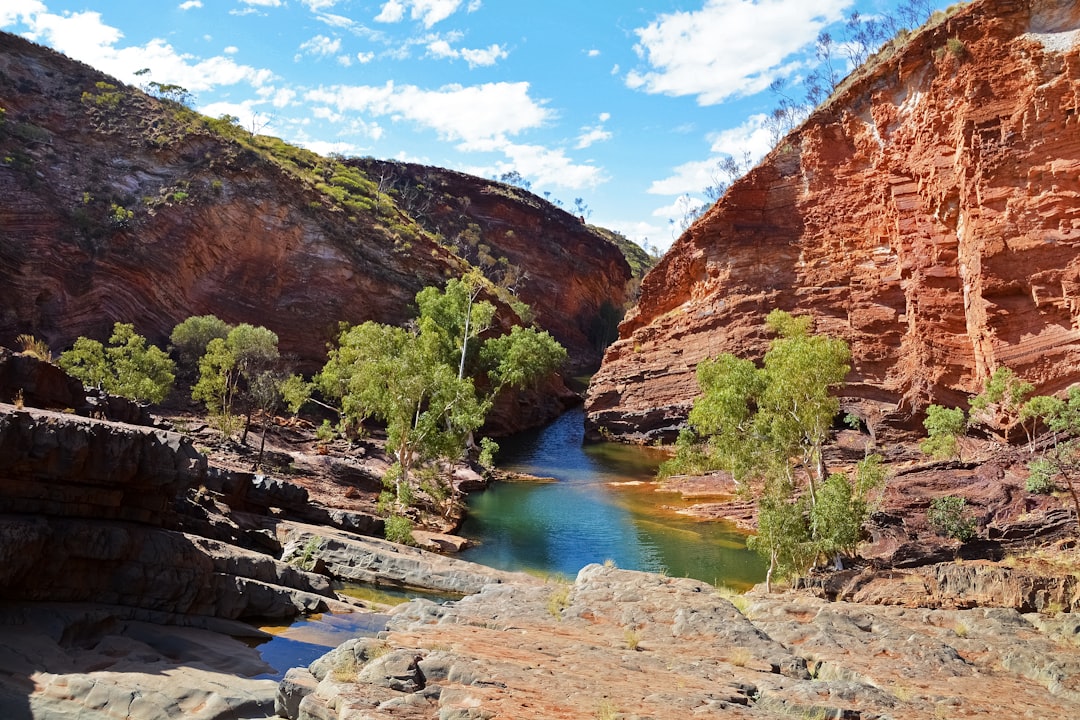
605, 506
308, 639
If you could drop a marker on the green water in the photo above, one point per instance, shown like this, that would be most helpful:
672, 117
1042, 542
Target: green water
603, 506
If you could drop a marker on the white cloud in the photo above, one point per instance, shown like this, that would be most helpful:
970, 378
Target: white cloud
592, 134
319, 5
484, 57
231, 50
324, 148
428, 12
262, 3
457, 113
319, 46
249, 118
339, 21
392, 11
593, 53
15, 10
748, 142
441, 49
543, 166
190, 4
728, 47
549, 167
278, 97
83, 36
365, 58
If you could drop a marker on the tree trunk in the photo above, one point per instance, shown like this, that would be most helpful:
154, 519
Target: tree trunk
262, 442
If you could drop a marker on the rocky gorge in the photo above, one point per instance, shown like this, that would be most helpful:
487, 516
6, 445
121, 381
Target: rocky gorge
924, 214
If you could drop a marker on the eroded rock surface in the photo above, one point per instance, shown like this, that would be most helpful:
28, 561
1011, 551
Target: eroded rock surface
223, 227
626, 644
927, 214
96, 662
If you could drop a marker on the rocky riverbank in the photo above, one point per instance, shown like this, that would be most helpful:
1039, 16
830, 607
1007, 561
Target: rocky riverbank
622, 644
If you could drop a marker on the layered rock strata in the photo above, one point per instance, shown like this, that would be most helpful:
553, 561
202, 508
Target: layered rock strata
119, 207
927, 213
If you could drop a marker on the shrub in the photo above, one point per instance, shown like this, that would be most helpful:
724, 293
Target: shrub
32, 346
944, 426
488, 450
946, 517
399, 529
1040, 480
325, 432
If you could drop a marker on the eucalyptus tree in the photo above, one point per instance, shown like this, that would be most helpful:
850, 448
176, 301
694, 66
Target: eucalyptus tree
764, 425
433, 383
127, 366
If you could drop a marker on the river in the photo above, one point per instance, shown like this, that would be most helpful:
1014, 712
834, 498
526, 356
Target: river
604, 505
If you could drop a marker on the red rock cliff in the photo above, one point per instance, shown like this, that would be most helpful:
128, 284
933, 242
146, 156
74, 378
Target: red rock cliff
929, 214
115, 206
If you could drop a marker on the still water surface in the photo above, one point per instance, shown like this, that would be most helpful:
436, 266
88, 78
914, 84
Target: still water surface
603, 505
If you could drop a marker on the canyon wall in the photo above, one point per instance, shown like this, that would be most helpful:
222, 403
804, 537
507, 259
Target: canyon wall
116, 206
928, 213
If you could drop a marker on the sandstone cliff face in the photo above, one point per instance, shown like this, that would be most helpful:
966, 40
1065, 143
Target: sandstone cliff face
928, 214
574, 281
220, 226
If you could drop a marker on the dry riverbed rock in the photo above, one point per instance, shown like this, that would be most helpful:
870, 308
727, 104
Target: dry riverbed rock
96, 662
625, 644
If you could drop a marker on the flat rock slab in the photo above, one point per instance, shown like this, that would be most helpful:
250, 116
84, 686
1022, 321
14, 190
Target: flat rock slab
92, 663
622, 644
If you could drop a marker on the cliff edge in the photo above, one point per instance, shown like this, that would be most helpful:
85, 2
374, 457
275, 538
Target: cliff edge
927, 213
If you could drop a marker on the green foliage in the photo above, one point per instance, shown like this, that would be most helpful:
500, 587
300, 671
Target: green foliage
1005, 391
106, 97
325, 432
398, 377
488, 449
398, 529
120, 216
1040, 480
946, 517
127, 367
420, 382
783, 534
295, 392
944, 426
190, 338
761, 424
241, 366
217, 384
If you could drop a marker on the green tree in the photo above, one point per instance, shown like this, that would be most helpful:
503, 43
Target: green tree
190, 338
944, 427
218, 376
1005, 392
243, 368
762, 425
946, 516
843, 507
1060, 464
422, 382
127, 367
783, 535
396, 376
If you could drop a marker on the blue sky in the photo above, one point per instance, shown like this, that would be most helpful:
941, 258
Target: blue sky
626, 105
